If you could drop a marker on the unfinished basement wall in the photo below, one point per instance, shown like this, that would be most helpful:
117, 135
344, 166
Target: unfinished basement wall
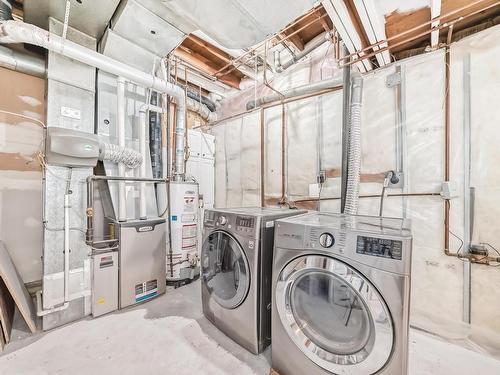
20, 172
313, 143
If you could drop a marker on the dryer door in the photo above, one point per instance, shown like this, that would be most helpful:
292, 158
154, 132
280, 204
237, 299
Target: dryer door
334, 315
225, 270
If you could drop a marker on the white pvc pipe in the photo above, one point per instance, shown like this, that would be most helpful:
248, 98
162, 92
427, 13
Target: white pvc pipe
120, 133
66, 247
142, 150
20, 32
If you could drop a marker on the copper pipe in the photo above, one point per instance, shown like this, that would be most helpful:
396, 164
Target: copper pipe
439, 18
251, 50
371, 196
262, 159
439, 27
278, 102
281, 40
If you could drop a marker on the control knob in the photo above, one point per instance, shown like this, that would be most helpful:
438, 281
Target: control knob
223, 220
326, 240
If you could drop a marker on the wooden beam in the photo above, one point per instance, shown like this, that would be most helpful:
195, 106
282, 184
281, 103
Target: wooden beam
205, 65
210, 48
295, 39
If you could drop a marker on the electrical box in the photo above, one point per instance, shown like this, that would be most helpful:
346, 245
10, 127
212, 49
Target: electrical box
71, 148
105, 283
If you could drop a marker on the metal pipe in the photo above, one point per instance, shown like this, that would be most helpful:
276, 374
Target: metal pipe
22, 62
120, 134
334, 83
447, 142
262, 159
142, 147
283, 154
317, 42
346, 105
20, 32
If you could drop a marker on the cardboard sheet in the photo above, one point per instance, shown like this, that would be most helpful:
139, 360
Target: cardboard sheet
16, 288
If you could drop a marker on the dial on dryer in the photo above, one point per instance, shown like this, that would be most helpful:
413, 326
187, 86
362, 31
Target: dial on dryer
326, 240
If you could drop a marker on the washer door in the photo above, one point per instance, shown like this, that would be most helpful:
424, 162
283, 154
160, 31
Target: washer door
334, 315
225, 269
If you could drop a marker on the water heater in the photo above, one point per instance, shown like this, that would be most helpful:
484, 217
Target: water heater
182, 254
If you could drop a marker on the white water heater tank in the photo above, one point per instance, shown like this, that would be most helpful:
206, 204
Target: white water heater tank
183, 257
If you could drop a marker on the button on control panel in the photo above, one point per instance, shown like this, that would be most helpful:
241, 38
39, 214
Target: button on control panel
326, 240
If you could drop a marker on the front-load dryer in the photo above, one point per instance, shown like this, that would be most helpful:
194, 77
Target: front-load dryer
236, 261
341, 289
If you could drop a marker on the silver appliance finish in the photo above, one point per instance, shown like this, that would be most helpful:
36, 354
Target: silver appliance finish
236, 262
341, 288
104, 283
142, 255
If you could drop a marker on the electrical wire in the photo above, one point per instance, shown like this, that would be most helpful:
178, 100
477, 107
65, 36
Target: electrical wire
24, 116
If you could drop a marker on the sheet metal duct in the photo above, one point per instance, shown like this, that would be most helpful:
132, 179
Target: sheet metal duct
298, 91
20, 32
22, 62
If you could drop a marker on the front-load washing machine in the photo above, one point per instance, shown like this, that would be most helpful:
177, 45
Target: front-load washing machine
341, 289
236, 261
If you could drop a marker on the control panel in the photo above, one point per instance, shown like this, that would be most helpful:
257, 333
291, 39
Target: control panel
379, 247
245, 224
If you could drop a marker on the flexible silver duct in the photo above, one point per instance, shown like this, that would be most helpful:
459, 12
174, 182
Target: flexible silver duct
354, 159
20, 32
201, 109
297, 91
116, 154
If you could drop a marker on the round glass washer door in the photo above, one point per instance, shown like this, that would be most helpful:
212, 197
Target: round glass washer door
334, 315
225, 270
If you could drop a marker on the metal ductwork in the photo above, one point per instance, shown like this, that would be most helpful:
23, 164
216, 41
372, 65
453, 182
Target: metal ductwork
298, 91
22, 62
20, 32
5, 10
316, 43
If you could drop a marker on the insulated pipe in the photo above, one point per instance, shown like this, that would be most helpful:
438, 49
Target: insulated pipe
354, 167
298, 91
22, 62
317, 42
120, 133
20, 32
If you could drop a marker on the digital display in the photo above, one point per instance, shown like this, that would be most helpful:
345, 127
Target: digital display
246, 222
379, 247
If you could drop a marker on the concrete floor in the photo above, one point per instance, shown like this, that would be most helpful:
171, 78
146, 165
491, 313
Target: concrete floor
169, 335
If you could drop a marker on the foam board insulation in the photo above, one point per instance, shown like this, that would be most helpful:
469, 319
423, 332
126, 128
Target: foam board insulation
313, 132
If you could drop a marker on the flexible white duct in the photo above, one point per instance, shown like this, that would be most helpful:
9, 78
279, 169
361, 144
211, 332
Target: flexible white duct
116, 154
20, 32
354, 159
